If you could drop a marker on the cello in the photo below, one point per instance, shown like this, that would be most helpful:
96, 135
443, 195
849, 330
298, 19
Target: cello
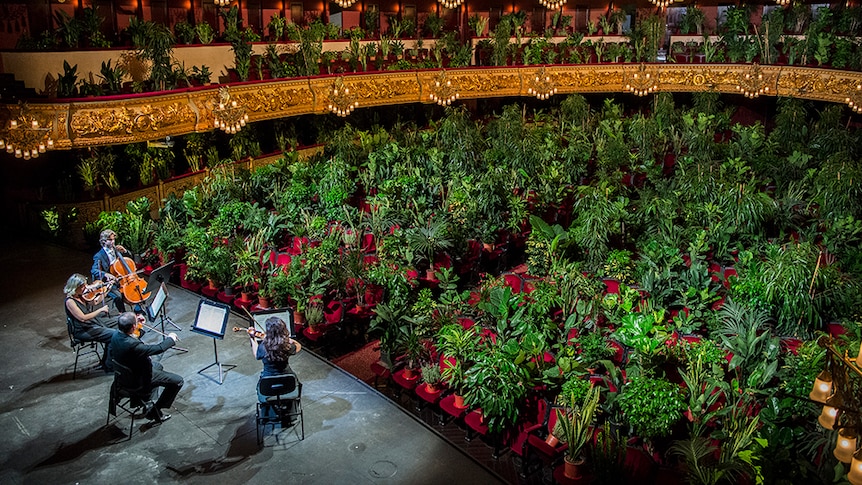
131, 285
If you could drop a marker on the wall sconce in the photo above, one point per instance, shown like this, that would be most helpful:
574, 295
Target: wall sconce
843, 379
341, 101
345, 3
221, 3
541, 86
552, 4
854, 476
228, 115
752, 83
854, 100
845, 447
25, 136
643, 82
443, 92
451, 3
822, 387
829, 416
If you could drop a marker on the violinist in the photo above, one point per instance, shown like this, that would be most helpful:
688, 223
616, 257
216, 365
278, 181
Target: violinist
274, 349
102, 261
128, 350
88, 320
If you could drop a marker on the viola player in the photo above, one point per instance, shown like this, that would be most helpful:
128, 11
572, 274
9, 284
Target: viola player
88, 320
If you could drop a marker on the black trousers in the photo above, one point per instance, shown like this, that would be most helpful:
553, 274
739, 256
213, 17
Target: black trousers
172, 383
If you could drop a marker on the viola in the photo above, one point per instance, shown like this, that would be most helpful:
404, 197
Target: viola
94, 291
251, 331
132, 286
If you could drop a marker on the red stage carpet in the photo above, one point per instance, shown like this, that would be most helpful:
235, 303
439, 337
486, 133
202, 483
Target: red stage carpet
358, 363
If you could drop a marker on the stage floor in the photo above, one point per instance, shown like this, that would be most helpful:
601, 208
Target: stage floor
54, 430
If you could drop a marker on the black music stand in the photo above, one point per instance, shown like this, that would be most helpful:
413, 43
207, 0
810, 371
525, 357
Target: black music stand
211, 320
286, 314
157, 309
161, 275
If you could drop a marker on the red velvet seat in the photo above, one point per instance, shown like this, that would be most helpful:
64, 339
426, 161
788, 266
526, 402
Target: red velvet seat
333, 313
405, 381
427, 395
514, 282
209, 292
447, 405
537, 441
380, 372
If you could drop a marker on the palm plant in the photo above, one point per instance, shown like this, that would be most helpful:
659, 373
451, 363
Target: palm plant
426, 241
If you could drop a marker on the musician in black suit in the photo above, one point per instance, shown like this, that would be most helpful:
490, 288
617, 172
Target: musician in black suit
127, 349
102, 261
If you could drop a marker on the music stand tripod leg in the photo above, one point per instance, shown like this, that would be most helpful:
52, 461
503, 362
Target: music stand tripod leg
221, 367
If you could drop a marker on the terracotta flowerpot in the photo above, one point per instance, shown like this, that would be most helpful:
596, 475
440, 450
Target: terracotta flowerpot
298, 317
552, 440
459, 402
574, 470
410, 374
263, 302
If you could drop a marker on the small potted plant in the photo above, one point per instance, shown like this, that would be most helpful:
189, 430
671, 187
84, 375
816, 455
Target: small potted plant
314, 318
574, 422
431, 377
246, 264
574, 389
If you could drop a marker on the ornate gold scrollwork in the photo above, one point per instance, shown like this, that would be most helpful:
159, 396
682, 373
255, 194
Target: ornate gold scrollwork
152, 117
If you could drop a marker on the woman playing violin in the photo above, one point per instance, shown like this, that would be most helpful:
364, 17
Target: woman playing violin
86, 319
274, 349
102, 262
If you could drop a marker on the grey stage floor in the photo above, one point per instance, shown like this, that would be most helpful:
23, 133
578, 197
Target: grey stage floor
53, 427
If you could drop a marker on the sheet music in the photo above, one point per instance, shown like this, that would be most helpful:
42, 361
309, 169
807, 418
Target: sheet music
211, 319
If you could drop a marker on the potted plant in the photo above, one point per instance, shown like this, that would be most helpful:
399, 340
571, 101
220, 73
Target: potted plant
431, 377
457, 344
314, 317
575, 389
593, 349
651, 406
574, 426
246, 263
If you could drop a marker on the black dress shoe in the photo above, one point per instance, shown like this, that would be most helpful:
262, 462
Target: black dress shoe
156, 414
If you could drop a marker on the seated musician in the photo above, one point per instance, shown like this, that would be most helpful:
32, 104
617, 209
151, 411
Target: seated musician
274, 349
88, 319
102, 261
127, 349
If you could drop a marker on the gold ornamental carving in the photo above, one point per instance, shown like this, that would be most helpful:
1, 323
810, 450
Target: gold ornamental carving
123, 121
151, 117
498, 82
89, 211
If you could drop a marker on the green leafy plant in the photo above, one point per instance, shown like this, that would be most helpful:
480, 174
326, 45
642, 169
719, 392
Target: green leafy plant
652, 406
205, 32
575, 422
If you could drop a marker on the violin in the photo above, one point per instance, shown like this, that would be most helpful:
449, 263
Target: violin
97, 289
132, 286
252, 332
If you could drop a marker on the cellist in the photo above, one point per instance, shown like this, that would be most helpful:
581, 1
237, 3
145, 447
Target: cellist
102, 261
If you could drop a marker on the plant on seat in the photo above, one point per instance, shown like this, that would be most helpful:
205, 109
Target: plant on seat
573, 426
